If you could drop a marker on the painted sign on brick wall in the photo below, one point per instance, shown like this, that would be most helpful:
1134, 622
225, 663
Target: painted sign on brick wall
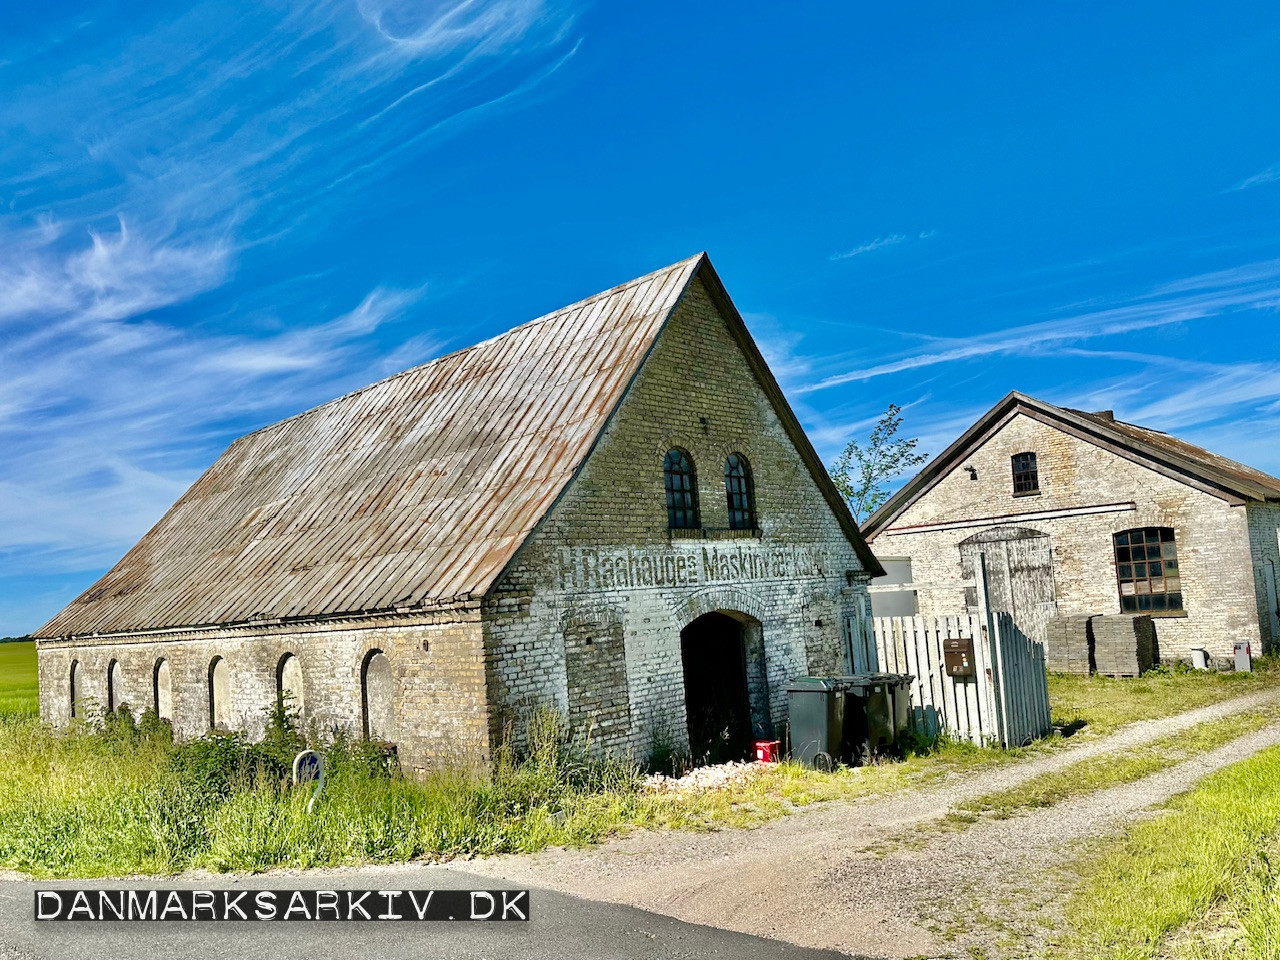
605, 568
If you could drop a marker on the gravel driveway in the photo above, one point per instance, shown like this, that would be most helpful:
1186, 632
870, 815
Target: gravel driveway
809, 879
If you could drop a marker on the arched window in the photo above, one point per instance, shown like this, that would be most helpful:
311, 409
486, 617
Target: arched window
113, 686
740, 490
219, 694
289, 683
74, 690
682, 490
377, 690
163, 689
1147, 570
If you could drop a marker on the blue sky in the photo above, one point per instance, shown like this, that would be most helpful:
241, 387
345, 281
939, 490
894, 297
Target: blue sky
214, 215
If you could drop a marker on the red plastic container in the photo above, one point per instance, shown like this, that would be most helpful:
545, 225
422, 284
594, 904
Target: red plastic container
768, 751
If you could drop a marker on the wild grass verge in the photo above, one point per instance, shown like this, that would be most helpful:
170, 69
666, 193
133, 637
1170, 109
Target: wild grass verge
1245, 925
1209, 847
123, 799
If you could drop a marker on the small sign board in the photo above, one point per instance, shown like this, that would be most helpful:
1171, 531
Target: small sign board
308, 767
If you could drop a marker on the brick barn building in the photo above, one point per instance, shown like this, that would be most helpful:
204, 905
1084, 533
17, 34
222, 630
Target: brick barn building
1079, 513
610, 509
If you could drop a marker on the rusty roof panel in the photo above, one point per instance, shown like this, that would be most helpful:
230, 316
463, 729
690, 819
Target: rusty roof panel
1210, 467
417, 489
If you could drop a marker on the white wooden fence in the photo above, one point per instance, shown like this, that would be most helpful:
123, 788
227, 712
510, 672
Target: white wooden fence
1006, 702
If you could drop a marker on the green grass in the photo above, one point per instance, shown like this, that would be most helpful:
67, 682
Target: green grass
1245, 925
92, 803
1126, 766
1103, 704
18, 691
1086, 776
89, 803
1207, 852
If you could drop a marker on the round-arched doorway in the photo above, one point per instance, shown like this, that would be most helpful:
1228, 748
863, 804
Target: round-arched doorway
725, 696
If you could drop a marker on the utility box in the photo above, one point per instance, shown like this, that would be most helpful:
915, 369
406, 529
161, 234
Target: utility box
1244, 658
957, 656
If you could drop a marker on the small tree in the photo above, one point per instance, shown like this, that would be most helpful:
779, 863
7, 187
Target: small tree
860, 472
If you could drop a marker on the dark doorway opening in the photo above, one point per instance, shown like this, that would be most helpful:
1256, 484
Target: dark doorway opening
717, 704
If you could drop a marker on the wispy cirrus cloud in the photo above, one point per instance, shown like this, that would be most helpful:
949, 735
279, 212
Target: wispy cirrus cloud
1096, 359
1249, 287
145, 162
102, 435
880, 243
226, 116
1176, 393
1269, 175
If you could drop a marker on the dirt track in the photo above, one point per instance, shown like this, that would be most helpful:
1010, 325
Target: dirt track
811, 878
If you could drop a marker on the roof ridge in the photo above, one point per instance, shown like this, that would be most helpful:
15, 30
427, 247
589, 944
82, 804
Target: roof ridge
612, 291
1112, 421
343, 534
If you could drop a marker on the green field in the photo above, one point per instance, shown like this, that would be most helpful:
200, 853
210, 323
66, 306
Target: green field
18, 697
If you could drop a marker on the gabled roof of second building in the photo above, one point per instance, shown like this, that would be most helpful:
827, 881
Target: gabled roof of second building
411, 492
1166, 454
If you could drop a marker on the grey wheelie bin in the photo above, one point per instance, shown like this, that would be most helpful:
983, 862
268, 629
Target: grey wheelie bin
817, 715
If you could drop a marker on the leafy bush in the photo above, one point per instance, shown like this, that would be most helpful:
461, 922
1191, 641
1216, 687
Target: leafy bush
119, 725
282, 739
153, 728
218, 764
347, 758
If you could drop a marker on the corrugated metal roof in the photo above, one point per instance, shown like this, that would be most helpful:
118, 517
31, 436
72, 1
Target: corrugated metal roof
412, 491
1210, 467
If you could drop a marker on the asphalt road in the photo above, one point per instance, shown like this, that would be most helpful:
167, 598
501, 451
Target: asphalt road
560, 927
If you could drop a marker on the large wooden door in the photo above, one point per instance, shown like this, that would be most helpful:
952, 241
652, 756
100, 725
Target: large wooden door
1019, 575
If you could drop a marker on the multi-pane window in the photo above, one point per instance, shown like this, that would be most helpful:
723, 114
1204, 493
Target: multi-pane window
1026, 479
740, 492
682, 491
1147, 570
